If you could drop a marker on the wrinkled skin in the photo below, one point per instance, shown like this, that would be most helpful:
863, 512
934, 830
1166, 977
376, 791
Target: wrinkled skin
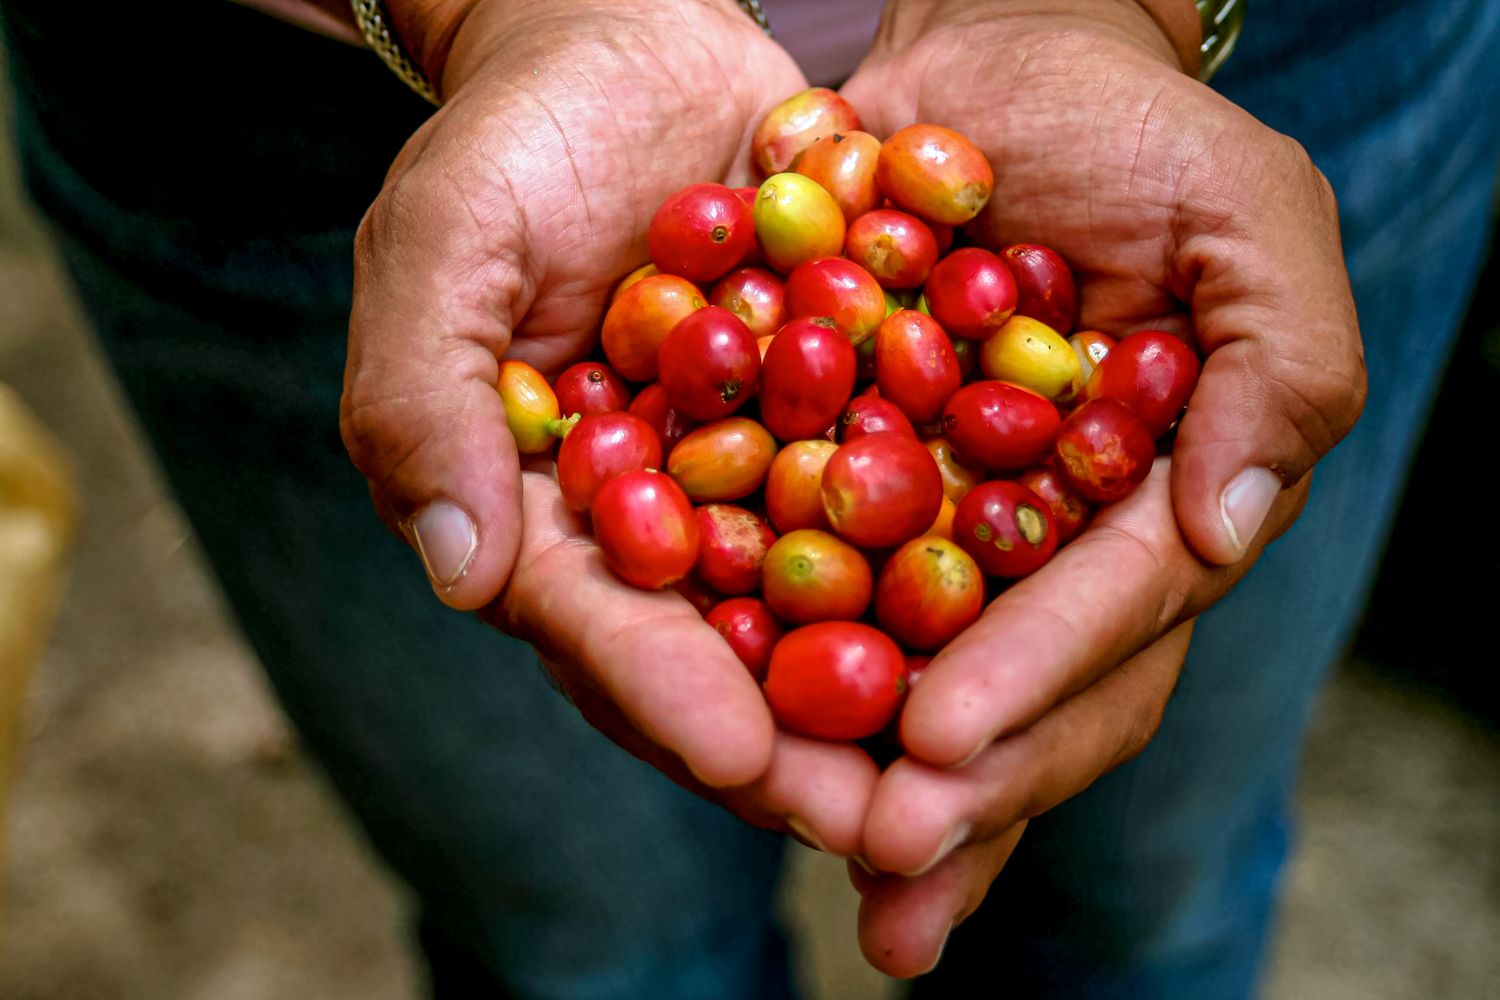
500, 231
1166, 198
507, 218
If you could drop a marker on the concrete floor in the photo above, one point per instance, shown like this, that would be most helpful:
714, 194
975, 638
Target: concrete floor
169, 842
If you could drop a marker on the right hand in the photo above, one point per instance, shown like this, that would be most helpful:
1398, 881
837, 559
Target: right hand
501, 229
1179, 211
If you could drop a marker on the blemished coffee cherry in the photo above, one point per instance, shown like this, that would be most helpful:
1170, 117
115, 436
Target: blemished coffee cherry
1008, 529
936, 173
881, 490
929, 591
796, 123
844, 165
897, 248
1104, 450
756, 296
732, 546
1069, 510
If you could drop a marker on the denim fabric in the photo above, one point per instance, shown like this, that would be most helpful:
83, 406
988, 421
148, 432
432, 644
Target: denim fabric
205, 201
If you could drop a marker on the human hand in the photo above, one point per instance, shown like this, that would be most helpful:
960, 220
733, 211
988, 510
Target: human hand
501, 229
1179, 211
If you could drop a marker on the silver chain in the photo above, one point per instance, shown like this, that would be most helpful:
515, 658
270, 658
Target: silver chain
383, 42
1222, 21
753, 8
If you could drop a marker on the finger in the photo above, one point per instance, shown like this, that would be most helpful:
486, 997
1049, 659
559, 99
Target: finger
420, 415
816, 791
673, 677
1284, 377
904, 922
919, 813
1122, 583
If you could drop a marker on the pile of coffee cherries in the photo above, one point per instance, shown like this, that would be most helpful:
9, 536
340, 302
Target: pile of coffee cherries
866, 431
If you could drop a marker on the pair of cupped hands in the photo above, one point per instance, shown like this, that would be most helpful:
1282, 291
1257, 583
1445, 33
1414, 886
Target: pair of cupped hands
509, 216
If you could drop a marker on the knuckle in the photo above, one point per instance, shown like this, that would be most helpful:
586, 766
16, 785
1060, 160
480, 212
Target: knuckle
1297, 164
1326, 193
1322, 401
1158, 609
1139, 733
1312, 383
378, 432
1292, 155
382, 222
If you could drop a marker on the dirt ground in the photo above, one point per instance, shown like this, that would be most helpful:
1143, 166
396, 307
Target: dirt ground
169, 842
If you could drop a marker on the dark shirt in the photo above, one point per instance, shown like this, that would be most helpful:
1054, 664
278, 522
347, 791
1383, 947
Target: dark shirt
201, 135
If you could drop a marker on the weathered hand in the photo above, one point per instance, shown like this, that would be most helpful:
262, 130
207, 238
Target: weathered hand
1179, 211
500, 231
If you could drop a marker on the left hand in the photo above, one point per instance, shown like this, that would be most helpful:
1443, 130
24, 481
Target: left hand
945, 833
1177, 210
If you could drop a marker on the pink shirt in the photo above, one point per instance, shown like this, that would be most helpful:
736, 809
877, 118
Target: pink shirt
828, 38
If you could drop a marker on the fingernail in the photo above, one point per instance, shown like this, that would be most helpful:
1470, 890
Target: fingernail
941, 948
859, 859
804, 833
445, 539
981, 748
1244, 505
956, 836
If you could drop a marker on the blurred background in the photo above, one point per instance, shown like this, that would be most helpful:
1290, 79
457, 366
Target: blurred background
167, 840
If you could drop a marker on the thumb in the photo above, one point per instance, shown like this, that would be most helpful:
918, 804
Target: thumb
1284, 378
420, 413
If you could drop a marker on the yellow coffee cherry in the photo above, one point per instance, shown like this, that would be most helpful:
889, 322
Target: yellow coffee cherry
796, 220
531, 408
1030, 353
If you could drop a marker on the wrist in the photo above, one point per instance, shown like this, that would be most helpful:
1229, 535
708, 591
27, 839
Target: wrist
1181, 24
427, 30
448, 39
1168, 30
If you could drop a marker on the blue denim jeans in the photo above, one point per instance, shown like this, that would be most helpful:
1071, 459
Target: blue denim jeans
547, 862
